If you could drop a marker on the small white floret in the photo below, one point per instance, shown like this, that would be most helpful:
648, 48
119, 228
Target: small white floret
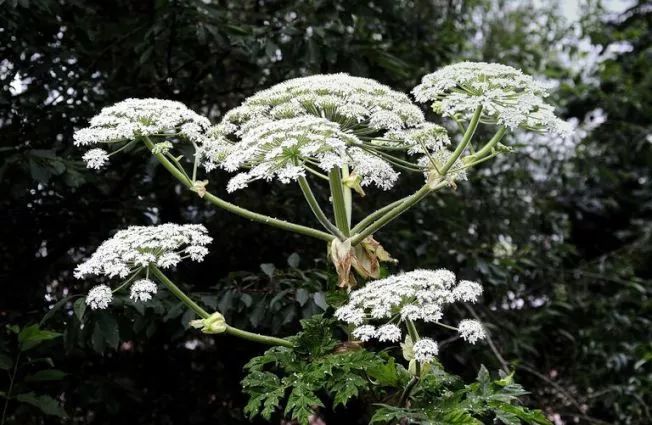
364, 332
471, 331
142, 290
99, 297
389, 332
425, 350
96, 158
467, 291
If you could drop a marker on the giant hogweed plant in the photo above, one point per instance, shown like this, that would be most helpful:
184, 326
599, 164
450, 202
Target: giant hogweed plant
351, 135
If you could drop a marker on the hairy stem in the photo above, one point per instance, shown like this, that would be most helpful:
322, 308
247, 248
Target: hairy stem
243, 212
250, 336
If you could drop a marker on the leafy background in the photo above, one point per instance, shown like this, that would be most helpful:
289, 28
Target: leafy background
558, 232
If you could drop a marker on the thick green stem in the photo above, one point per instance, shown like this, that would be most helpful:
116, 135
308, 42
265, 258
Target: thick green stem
263, 339
406, 204
250, 336
408, 389
316, 209
348, 196
177, 292
466, 139
337, 198
414, 336
374, 215
261, 218
486, 149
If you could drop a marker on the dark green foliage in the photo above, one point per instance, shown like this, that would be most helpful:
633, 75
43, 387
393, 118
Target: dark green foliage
318, 372
582, 263
440, 401
30, 373
294, 380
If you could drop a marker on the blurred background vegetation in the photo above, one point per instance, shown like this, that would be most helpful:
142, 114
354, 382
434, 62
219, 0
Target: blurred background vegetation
558, 231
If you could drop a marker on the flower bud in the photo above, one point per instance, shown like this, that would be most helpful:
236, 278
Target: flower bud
213, 324
352, 181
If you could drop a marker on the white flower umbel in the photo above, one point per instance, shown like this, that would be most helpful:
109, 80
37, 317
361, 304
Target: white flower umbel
416, 295
365, 332
471, 331
430, 136
425, 350
388, 332
357, 104
508, 96
319, 123
286, 149
96, 158
142, 290
283, 149
127, 120
99, 297
139, 246
467, 291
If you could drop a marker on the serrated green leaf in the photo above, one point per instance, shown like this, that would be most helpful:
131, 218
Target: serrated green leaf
32, 335
301, 403
347, 387
384, 374
508, 418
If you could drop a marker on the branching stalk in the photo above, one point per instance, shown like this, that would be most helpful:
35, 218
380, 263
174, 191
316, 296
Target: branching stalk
243, 212
250, 336
486, 149
468, 135
374, 215
396, 211
316, 209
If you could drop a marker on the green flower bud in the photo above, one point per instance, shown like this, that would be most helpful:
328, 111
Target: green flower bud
213, 324
352, 181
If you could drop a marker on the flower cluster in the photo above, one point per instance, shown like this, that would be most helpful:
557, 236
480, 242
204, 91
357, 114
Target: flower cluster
508, 97
353, 102
318, 123
135, 248
417, 295
142, 290
99, 297
284, 149
139, 246
425, 350
131, 118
